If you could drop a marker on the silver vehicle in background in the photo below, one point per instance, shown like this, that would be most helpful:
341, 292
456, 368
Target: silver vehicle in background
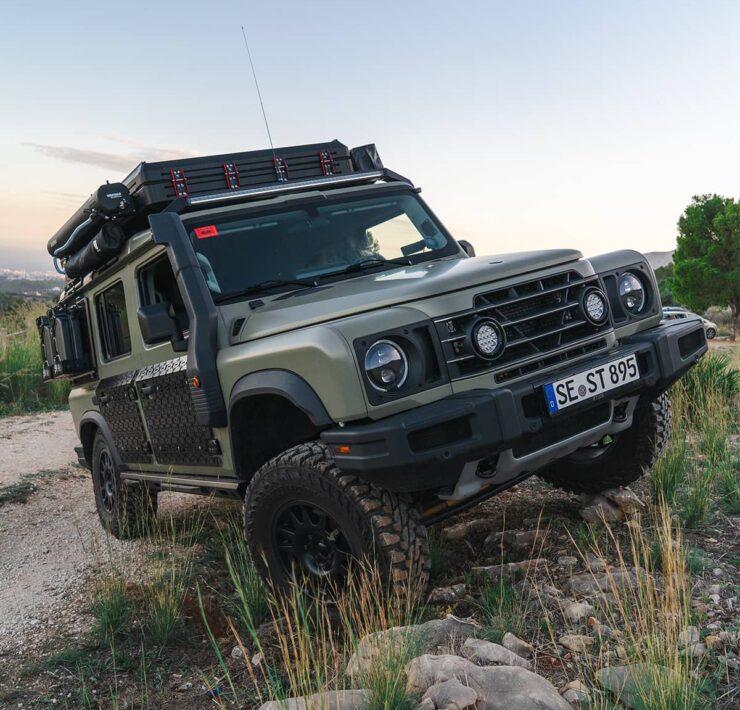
671, 313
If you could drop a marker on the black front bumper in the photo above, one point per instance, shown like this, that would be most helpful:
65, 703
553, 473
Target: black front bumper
424, 447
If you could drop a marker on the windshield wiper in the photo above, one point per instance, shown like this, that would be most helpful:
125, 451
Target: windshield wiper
366, 263
266, 286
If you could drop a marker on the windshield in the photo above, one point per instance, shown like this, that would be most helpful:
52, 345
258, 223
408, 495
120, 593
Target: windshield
297, 245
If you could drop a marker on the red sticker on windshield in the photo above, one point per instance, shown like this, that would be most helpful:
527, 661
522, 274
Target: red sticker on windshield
205, 232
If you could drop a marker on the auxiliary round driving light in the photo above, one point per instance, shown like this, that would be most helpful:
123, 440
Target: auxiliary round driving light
595, 306
488, 338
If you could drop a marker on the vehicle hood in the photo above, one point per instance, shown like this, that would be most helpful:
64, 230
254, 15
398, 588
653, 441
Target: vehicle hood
381, 289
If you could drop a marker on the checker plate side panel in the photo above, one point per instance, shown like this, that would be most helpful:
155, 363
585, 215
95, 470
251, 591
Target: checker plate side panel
176, 436
121, 412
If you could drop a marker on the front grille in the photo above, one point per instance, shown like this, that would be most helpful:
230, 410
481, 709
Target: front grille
542, 320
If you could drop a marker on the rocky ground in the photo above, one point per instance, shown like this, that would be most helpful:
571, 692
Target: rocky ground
523, 609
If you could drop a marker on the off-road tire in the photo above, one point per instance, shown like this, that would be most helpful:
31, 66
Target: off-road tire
711, 332
126, 509
383, 527
632, 453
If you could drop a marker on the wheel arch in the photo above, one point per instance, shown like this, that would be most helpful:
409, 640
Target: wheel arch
269, 412
91, 423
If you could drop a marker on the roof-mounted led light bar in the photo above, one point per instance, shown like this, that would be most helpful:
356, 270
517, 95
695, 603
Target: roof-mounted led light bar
297, 186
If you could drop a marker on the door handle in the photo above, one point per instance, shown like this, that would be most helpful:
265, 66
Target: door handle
147, 390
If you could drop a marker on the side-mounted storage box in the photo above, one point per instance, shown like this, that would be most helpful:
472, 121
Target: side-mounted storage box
66, 345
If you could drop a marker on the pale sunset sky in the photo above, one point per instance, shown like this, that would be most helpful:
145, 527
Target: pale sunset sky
528, 125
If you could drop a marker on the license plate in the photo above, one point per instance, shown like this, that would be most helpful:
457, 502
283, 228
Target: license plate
584, 385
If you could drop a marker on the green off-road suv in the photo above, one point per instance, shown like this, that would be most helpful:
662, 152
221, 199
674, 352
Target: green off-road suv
296, 328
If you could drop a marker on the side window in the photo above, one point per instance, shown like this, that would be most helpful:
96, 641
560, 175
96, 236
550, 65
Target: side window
110, 306
157, 284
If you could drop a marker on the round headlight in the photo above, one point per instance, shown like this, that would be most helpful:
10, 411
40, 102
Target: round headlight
595, 306
631, 292
488, 338
386, 366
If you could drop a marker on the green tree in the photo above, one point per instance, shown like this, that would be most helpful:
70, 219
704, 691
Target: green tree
706, 263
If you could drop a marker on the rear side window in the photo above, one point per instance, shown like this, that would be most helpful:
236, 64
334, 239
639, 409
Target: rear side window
110, 306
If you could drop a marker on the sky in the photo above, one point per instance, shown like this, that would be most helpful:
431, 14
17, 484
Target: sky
528, 125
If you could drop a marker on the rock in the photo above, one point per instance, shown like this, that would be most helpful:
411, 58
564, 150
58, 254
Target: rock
597, 509
586, 584
516, 645
727, 638
715, 599
468, 528
712, 641
257, 659
446, 595
184, 687
498, 540
714, 589
695, 650
688, 637
568, 562
485, 653
576, 642
509, 570
718, 572
528, 540
632, 684
576, 693
451, 695
331, 700
594, 563
236, 652
603, 631
425, 638
577, 611
625, 499
498, 687
426, 704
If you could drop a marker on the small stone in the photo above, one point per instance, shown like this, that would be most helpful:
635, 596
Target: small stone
718, 572
485, 653
576, 642
628, 683
594, 563
330, 700
625, 499
236, 652
688, 637
728, 638
257, 659
509, 570
577, 611
446, 595
576, 693
183, 687
451, 695
598, 510
715, 599
696, 650
714, 589
587, 584
466, 529
516, 645
568, 561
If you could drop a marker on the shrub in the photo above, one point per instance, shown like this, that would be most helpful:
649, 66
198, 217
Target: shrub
21, 386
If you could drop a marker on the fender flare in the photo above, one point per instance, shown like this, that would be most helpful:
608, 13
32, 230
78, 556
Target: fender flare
283, 383
94, 417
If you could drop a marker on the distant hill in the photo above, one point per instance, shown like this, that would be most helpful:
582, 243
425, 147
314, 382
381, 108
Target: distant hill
658, 259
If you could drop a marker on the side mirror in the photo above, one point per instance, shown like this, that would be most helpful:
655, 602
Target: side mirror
157, 325
467, 247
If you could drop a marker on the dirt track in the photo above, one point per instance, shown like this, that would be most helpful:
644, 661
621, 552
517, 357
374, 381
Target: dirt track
50, 544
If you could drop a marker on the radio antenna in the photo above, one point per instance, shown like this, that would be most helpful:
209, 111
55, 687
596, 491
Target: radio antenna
259, 95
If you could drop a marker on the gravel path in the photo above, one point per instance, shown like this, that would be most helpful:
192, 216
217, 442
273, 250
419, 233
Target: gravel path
35, 442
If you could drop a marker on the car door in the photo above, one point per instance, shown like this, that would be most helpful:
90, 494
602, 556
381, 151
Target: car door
162, 387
